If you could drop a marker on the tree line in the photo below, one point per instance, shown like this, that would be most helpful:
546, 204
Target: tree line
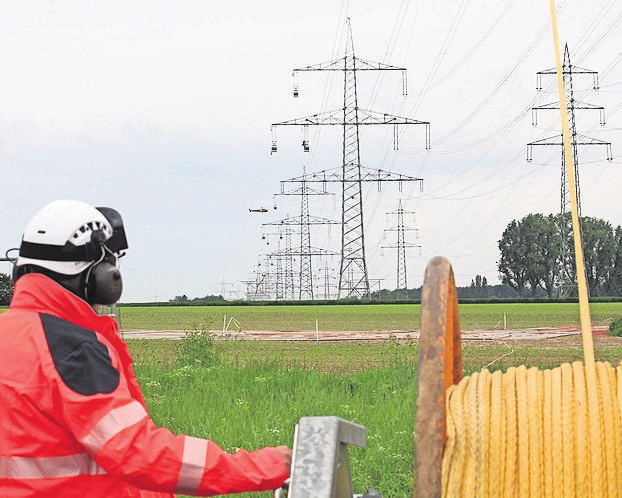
535, 254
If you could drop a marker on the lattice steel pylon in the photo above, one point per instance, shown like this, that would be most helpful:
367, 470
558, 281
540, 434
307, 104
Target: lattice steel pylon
401, 245
326, 277
566, 274
353, 276
306, 251
278, 282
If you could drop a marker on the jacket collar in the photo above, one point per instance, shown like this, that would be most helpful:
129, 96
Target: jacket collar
38, 293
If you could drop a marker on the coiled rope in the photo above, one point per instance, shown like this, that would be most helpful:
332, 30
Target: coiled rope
529, 432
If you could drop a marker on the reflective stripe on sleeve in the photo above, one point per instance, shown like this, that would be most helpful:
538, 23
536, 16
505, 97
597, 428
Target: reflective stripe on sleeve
193, 465
48, 467
112, 423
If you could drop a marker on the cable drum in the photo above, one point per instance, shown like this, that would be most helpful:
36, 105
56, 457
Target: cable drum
531, 432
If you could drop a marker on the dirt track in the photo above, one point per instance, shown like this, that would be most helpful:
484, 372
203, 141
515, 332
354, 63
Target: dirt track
544, 337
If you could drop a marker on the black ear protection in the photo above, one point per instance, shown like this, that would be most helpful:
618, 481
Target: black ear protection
103, 283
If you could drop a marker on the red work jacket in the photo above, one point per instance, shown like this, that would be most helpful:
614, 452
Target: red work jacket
73, 422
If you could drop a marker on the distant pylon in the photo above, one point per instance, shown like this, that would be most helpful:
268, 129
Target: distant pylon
401, 283
305, 251
566, 272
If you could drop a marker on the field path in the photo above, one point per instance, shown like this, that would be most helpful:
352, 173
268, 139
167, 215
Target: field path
370, 335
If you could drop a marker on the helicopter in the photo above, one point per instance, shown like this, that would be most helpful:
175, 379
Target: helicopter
260, 210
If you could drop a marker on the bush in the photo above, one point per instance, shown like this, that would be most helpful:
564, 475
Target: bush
615, 327
197, 346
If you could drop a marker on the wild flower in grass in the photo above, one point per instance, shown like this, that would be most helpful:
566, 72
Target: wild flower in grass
183, 371
153, 383
156, 399
399, 456
261, 379
347, 409
240, 401
274, 430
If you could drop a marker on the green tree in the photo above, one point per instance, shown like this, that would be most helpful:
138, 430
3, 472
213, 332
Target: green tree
599, 254
614, 285
512, 265
530, 251
531, 227
6, 289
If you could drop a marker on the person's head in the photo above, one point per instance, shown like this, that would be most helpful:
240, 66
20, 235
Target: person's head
78, 246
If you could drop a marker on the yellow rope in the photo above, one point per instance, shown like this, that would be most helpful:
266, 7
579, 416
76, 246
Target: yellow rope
529, 432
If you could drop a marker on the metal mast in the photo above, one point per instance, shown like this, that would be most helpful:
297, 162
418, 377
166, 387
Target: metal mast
566, 273
279, 281
305, 251
326, 277
353, 276
400, 245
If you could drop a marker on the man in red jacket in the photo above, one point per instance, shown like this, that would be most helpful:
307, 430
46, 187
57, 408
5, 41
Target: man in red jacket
73, 422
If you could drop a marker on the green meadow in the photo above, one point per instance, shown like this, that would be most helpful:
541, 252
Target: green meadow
358, 317
249, 394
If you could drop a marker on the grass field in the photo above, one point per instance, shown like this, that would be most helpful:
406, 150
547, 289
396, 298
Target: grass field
349, 317
251, 394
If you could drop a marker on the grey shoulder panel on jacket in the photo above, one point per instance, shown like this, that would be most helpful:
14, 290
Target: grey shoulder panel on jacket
82, 362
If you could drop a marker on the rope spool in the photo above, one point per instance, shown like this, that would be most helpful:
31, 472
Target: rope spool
531, 432
526, 432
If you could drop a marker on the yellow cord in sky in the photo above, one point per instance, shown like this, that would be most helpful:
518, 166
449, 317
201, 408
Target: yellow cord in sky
586, 322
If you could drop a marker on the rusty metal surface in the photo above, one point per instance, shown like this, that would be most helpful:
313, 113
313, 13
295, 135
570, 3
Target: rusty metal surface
440, 365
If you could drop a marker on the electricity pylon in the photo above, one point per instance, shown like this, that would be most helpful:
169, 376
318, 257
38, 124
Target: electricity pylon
400, 245
277, 258
566, 275
256, 289
353, 276
306, 250
326, 278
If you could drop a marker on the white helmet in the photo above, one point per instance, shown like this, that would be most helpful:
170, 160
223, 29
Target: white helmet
67, 236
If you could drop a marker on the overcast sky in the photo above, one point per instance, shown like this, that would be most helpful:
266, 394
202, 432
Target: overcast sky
162, 110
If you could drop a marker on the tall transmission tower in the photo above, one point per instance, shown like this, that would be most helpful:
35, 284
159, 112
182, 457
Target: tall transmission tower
353, 276
566, 275
401, 283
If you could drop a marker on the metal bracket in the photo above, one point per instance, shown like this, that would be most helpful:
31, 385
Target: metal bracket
320, 466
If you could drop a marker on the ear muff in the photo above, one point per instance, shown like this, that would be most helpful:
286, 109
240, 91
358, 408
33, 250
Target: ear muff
103, 284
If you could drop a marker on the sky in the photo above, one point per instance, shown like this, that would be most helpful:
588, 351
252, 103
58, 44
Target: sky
163, 109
